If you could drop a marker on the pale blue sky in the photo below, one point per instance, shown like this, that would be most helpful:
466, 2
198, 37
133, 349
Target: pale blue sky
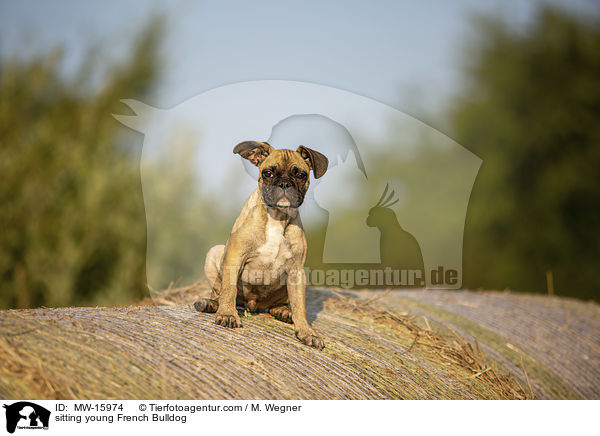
404, 54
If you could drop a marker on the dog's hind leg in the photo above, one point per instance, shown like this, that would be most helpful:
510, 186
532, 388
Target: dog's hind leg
212, 266
206, 305
212, 270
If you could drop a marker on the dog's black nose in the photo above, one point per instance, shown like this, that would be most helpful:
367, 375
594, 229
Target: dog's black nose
284, 184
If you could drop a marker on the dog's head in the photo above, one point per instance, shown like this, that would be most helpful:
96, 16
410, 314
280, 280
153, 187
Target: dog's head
283, 174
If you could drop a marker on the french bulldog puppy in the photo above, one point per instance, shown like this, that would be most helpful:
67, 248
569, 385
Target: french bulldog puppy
261, 266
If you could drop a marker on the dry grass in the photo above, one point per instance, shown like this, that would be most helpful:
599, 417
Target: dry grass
443, 348
164, 349
30, 372
177, 295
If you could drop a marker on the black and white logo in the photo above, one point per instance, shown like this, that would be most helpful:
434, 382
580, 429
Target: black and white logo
26, 415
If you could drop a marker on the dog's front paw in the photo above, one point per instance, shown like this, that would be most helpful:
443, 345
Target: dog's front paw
228, 319
310, 338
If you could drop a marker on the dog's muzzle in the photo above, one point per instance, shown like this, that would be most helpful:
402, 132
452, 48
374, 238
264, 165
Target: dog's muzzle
282, 193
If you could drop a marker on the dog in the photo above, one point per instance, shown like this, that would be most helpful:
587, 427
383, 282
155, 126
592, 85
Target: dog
261, 266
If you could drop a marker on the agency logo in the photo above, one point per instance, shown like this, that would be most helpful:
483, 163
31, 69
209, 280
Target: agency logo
26, 415
389, 212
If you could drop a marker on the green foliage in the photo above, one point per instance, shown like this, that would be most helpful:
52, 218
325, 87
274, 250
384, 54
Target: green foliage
71, 217
531, 112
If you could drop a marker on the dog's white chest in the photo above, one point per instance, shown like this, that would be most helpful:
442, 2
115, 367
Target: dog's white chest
275, 250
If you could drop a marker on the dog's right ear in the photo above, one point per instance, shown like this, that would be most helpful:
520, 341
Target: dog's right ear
255, 152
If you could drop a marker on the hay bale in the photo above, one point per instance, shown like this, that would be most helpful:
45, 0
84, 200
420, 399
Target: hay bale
401, 344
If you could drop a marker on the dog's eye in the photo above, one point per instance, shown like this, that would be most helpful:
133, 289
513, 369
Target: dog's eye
267, 174
300, 175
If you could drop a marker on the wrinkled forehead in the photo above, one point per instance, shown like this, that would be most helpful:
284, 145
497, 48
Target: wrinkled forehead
285, 159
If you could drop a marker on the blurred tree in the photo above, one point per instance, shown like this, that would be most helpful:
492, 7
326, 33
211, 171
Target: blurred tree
184, 220
531, 111
72, 224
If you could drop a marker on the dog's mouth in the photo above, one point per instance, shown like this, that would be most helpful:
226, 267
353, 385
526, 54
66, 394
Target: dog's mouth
284, 202
287, 201
282, 198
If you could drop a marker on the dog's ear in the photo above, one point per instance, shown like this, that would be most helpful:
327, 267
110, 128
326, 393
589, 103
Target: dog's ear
255, 152
315, 160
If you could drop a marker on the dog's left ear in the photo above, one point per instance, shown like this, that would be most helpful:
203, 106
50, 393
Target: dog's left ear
255, 152
315, 160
